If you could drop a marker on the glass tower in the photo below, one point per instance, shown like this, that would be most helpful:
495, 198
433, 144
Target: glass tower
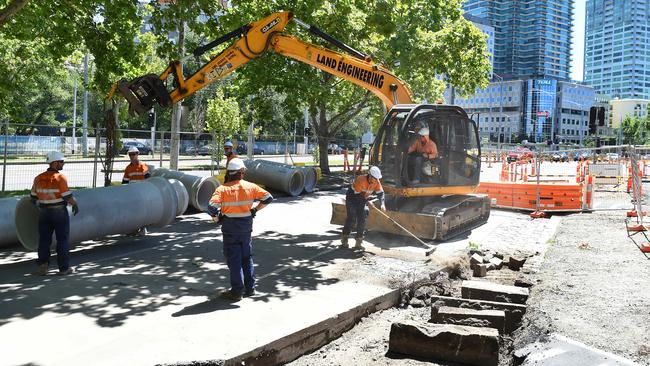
617, 48
532, 38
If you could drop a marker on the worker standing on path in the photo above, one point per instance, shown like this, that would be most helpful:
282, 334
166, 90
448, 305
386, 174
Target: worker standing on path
228, 151
136, 170
51, 194
357, 202
231, 206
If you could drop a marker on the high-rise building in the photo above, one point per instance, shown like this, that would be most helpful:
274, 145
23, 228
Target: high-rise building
532, 38
617, 48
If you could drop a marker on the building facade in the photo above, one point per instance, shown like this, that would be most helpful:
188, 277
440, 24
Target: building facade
617, 48
532, 38
622, 108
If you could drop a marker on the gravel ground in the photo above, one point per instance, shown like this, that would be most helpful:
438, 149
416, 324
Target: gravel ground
593, 287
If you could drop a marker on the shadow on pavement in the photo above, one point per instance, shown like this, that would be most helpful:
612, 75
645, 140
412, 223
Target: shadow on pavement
123, 277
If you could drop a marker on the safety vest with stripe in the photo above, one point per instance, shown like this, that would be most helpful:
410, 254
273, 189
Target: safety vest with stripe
50, 188
363, 187
234, 200
135, 172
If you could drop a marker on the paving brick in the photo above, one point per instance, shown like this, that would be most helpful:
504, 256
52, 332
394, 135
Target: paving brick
470, 317
496, 262
480, 270
516, 263
514, 312
483, 290
474, 260
487, 257
447, 342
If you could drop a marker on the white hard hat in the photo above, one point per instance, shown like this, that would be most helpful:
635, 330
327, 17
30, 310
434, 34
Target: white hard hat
424, 131
235, 164
133, 149
54, 156
375, 172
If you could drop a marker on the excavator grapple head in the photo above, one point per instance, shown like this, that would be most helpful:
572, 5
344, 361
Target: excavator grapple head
143, 92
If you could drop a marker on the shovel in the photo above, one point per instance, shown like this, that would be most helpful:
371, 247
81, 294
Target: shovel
428, 252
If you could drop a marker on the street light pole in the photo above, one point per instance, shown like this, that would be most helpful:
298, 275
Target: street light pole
84, 141
74, 118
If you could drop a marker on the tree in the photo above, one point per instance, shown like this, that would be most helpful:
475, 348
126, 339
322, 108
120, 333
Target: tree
222, 119
428, 38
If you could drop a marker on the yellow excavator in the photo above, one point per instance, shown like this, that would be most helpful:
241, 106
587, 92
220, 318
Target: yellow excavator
434, 200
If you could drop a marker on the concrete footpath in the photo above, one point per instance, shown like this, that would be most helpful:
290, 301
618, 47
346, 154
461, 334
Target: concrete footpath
143, 301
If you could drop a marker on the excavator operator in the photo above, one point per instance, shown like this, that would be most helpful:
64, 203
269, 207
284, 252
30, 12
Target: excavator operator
421, 152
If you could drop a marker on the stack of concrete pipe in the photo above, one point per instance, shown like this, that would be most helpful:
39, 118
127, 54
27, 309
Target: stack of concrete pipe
309, 174
277, 176
110, 210
8, 236
200, 190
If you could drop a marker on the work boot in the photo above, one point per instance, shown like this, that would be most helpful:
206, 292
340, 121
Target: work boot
41, 270
230, 296
66, 272
344, 241
357, 244
249, 293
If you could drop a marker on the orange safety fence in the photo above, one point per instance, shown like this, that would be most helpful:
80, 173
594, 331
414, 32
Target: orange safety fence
553, 196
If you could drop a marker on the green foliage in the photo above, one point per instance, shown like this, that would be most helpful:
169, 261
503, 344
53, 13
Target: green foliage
222, 118
636, 130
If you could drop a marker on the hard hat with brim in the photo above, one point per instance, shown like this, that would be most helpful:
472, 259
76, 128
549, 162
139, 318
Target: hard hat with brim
235, 164
53, 156
228, 144
375, 172
133, 149
424, 131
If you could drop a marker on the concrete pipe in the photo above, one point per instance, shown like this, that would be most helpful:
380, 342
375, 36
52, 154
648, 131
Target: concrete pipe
181, 193
107, 210
281, 177
8, 236
308, 172
199, 189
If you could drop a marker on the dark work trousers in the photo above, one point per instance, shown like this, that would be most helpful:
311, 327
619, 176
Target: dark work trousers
238, 250
357, 212
54, 220
415, 160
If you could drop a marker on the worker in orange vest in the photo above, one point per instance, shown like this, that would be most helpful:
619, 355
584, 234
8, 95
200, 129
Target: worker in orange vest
228, 151
51, 194
231, 206
136, 170
422, 150
357, 202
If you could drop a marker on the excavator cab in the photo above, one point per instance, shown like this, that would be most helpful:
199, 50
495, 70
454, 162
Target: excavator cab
455, 135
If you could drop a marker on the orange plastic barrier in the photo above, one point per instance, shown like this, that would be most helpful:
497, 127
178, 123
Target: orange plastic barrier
346, 164
523, 196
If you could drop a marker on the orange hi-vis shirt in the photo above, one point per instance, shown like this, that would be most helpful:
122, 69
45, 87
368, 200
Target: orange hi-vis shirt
134, 172
50, 188
428, 148
235, 199
363, 186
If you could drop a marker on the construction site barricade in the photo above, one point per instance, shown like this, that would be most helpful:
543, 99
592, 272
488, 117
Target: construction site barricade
523, 196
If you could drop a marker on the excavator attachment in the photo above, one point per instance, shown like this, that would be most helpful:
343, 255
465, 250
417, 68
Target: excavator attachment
143, 92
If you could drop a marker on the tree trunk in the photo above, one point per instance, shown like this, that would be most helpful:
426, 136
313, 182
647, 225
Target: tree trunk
10, 10
174, 148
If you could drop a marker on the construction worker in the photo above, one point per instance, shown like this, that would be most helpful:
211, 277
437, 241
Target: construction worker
231, 206
228, 151
136, 170
51, 194
357, 203
422, 150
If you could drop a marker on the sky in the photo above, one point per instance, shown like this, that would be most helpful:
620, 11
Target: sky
577, 51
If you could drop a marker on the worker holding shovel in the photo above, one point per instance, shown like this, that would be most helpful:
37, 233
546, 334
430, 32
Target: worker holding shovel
357, 203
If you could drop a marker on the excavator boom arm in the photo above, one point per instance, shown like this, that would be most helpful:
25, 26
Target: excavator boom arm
256, 39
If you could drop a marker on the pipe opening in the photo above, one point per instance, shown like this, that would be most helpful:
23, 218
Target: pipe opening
27, 223
296, 183
310, 179
204, 193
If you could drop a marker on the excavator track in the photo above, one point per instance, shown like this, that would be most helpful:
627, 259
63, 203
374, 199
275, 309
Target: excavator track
451, 215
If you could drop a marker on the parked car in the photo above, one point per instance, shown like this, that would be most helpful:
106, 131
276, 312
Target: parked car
334, 149
243, 149
144, 149
519, 154
205, 150
612, 156
559, 157
583, 154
